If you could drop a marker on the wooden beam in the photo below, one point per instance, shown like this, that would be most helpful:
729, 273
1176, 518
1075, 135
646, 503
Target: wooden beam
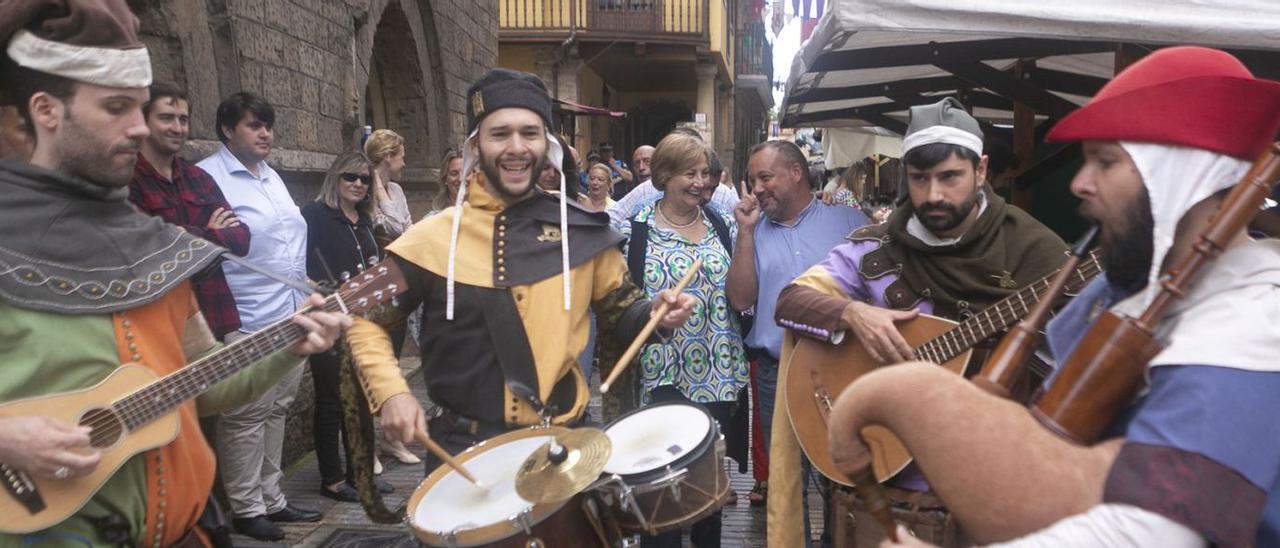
874, 114
1007, 85
1065, 82
1024, 137
953, 52
917, 85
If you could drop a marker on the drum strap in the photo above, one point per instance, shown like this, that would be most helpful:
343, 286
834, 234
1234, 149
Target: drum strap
515, 356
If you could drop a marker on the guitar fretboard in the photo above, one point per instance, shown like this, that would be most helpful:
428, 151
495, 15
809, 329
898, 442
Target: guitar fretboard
161, 397
1000, 316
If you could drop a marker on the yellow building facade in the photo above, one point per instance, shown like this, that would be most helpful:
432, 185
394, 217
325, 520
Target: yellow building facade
664, 63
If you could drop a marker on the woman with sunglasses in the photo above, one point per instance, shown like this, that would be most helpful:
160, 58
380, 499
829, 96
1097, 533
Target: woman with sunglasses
340, 243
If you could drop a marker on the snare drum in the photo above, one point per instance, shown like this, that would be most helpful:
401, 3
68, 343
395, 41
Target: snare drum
667, 463
448, 511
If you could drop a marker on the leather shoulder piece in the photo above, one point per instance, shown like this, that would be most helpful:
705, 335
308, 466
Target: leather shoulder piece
527, 240
878, 262
867, 233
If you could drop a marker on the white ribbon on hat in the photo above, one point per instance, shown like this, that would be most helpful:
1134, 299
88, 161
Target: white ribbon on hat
942, 134
555, 155
111, 67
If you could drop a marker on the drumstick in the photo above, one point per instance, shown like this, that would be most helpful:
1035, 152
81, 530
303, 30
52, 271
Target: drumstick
649, 327
444, 456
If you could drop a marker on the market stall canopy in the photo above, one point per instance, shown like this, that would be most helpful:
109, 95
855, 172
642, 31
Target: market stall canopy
869, 60
844, 146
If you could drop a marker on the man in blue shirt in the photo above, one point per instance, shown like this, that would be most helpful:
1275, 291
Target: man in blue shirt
250, 438
795, 233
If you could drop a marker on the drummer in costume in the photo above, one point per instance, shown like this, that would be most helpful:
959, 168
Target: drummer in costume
953, 249
90, 283
1195, 459
506, 278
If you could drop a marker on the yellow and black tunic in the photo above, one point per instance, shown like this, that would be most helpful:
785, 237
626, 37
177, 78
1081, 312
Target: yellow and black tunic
510, 325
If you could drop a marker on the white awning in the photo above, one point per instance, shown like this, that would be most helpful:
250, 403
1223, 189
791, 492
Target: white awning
869, 60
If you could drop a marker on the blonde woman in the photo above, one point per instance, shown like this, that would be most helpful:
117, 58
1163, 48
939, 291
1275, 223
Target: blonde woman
340, 241
385, 150
599, 185
451, 179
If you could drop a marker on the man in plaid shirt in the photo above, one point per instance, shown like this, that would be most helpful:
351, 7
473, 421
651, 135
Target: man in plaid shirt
177, 191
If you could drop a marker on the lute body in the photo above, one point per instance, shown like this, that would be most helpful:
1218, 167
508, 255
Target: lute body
134, 410
819, 371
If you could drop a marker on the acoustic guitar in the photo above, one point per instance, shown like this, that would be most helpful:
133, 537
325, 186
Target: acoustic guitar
132, 410
819, 371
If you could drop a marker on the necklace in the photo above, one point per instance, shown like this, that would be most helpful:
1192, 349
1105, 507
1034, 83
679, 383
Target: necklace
697, 216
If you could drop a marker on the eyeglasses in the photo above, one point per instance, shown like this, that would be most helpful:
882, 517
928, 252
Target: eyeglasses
366, 180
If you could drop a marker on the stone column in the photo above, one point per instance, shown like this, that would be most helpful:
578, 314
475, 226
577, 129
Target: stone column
707, 98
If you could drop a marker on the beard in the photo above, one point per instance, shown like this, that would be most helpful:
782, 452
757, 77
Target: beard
515, 191
84, 155
1127, 249
955, 214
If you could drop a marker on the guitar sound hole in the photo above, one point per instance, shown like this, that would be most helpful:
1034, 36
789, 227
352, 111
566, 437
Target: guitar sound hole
106, 425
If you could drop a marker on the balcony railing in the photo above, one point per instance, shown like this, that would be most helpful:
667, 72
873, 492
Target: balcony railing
549, 18
755, 55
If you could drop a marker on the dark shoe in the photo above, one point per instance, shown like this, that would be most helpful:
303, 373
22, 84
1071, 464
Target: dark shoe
293, 514
258, 527
344, 492
383, 487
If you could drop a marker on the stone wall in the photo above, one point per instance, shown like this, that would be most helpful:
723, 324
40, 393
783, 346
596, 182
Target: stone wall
329, 67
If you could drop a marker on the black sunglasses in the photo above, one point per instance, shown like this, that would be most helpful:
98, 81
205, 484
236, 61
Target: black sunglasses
353, 177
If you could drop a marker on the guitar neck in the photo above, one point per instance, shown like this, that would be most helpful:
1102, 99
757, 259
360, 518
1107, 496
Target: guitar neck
999, 316
161, 397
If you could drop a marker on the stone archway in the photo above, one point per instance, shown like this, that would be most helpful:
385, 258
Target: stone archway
402, 88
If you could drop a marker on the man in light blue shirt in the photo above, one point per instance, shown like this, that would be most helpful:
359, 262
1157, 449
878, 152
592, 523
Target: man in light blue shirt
250, 437
796, 232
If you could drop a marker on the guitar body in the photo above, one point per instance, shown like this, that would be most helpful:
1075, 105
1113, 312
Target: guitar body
64, 497
819, 371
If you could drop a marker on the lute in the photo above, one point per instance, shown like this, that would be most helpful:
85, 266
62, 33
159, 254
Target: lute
819, 371
133, 410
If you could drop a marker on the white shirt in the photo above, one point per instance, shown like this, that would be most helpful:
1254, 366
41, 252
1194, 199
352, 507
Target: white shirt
278, 242
724, 199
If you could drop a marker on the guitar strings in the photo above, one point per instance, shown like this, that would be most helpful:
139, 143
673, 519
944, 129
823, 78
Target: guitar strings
133, 409
953, 339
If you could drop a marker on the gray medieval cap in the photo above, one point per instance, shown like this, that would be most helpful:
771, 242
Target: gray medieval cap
943, 122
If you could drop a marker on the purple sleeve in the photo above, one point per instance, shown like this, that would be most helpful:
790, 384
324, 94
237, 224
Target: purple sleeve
842, 264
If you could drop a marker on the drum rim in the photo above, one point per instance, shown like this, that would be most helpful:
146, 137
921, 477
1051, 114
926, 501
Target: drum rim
682, 462
493, 532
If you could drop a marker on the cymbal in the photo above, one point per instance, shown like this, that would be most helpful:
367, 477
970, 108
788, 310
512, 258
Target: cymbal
541, 479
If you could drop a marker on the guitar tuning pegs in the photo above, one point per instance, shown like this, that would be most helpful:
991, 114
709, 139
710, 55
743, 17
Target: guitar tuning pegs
391, 288
372, 260
368, 277
359, 268
395, 301
382, 270
363, 302
344, 276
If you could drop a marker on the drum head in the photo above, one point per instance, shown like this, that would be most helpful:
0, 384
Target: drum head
447, 504
655, 437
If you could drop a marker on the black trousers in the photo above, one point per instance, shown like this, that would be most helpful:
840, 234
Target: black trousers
326, 429
706, 532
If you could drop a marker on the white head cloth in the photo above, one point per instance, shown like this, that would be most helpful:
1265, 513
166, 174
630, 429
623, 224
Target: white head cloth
1176, 178
110, 67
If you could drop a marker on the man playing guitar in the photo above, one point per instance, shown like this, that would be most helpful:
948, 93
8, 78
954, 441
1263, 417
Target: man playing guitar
950, 249
89, 283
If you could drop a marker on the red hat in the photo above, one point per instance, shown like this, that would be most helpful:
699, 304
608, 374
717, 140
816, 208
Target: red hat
1189, 96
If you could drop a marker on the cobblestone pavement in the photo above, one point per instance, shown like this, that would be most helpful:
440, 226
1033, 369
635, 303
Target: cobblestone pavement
345, 524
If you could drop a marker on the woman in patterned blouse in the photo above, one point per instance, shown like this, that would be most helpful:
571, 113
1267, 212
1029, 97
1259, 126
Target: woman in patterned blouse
704, 361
